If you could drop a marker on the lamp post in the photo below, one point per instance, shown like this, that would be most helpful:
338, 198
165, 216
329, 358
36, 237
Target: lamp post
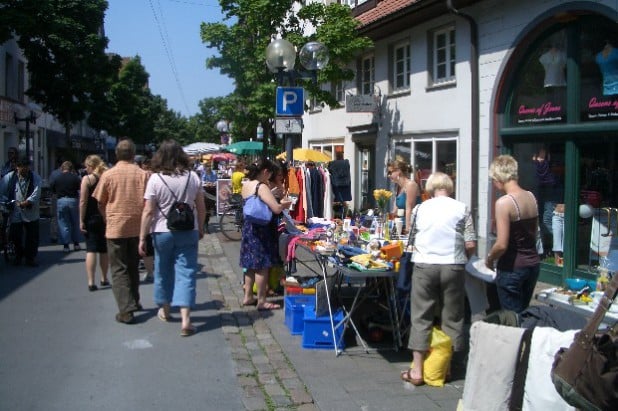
30, 118
223, 128
281, 59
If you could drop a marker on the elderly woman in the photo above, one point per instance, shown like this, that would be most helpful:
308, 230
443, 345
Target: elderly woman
517, 219
258, 246
407, 191
175, 263
92, 223
444, 238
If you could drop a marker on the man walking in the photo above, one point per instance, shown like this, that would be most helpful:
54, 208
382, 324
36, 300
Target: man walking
120, 193
23, 187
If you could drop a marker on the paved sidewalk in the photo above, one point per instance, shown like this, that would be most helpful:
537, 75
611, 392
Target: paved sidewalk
275, 373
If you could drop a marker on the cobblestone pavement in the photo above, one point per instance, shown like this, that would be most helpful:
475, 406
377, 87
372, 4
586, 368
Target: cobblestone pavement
267, 377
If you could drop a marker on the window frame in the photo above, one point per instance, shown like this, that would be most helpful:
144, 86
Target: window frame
362, 84
450, 55
394, 74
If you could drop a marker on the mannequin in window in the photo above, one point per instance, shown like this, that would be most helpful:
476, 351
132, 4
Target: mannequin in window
607, 60
554, 63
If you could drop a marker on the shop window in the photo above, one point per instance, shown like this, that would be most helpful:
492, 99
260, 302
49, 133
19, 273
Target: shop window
598, 56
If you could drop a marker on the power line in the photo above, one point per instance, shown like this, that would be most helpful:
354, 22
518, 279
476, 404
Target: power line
194, 3
168, 52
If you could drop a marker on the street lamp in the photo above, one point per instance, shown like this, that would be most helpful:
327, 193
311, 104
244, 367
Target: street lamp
281, 59
223, 128
30, 118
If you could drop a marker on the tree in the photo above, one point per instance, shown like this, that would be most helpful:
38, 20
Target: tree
65, 48
242, 46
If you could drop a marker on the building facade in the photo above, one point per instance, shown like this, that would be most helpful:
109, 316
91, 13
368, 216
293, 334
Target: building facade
455, 83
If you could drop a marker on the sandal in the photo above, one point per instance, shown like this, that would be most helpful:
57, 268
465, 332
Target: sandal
249, 302
188, 331
161, 315
268, 307
405, 376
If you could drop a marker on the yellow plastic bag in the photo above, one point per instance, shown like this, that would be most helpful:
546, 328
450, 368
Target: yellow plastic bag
438, 358
274, 276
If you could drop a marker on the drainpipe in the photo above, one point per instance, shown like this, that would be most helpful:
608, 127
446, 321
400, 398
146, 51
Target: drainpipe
474, 105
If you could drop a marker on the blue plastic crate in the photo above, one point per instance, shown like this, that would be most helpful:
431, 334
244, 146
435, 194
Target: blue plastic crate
295, 311
318, 334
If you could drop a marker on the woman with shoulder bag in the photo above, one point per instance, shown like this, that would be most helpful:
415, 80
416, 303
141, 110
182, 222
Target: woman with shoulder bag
175, 262
258, 247
91, 222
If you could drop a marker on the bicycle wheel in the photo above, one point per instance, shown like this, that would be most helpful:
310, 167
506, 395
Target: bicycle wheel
228, 224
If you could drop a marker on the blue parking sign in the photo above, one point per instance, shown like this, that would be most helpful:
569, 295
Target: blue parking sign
290, 101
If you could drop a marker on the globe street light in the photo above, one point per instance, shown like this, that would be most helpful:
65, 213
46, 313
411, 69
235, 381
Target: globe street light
30, 118
281, 59
223, 128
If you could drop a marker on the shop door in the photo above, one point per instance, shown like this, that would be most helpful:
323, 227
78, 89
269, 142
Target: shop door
597, 241
365, 188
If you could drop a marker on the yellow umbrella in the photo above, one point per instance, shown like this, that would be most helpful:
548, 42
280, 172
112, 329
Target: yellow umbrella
307, 154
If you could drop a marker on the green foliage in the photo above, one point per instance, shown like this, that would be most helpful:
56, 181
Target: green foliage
242, 44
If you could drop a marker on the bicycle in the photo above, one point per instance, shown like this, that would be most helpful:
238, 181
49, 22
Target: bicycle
231, 219
8, 247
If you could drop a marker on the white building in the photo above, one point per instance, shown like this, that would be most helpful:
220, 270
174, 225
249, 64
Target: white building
459, 82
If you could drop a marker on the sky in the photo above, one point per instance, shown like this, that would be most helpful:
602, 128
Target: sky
166, 36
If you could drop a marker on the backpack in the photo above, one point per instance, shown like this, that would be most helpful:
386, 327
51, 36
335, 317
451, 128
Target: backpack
180, 216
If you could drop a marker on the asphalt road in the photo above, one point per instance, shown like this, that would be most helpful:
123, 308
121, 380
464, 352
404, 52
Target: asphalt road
61, 349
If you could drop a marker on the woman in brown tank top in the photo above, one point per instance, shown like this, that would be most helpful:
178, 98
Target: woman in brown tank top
514, 253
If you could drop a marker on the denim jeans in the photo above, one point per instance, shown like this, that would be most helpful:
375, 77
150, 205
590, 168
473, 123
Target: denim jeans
68, 220
175, 267
515, 288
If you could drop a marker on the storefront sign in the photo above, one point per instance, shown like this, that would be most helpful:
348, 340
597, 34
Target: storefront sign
361, 103
603, 108
547, 112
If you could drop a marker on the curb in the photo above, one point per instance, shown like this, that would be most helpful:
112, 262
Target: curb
265, 374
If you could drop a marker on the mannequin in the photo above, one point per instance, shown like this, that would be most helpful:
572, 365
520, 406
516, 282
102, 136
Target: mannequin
607, 60
554, 63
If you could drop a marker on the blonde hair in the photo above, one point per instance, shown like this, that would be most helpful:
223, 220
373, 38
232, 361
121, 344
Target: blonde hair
400, 165
439, 181
503, 169
97, 164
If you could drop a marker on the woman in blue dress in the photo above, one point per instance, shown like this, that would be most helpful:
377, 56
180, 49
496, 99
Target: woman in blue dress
407, 194
258, 247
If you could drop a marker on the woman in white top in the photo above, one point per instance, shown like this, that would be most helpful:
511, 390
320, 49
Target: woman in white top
175, 263
444, 237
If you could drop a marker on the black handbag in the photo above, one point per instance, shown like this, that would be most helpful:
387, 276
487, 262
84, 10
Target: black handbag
586, 373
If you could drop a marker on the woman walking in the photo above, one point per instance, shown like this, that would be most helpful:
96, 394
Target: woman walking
175, 262
91, 222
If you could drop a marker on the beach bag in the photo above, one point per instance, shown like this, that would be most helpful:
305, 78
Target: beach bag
586, 373
180, 216
255, 210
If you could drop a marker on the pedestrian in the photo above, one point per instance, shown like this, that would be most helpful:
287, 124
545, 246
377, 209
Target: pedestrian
66, 189
258, 246
120, 193
514, 255
53, 221
23, 186
175, 263
11, 162
92, 224
408, 193
443, 239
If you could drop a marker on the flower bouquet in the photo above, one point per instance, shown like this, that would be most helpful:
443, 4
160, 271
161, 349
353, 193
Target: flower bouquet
382, 197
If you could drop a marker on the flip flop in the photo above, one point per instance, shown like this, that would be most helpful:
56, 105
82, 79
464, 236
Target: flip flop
269, 306
162, 316
250, 302
405, 376
187, 332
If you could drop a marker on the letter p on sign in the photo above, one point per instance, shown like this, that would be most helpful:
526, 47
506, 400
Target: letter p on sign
290, 101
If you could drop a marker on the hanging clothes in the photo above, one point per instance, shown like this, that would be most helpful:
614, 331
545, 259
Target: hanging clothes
341, 180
